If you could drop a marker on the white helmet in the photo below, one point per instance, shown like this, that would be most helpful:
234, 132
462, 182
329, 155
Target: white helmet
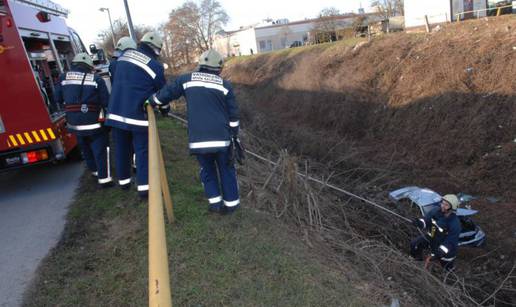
211, 59
153, 39
453, 200
83, 58
125, 43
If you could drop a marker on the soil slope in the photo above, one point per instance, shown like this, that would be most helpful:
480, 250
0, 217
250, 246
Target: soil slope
438, 110
443, 103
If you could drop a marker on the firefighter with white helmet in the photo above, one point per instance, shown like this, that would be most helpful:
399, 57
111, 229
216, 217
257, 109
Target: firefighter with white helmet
138, 75
84, 94
441, 228
213, 124
123, 44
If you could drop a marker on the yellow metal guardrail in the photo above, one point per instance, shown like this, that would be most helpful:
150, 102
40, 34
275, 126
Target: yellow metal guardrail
498, 11
159, 279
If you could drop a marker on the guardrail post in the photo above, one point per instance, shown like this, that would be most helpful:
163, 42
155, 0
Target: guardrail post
159, 280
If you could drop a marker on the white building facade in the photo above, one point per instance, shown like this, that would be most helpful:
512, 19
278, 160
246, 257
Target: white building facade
440, 11
278, 35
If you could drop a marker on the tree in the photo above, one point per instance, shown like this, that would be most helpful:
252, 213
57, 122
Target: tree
359, 25
120, 29
212, 18
191, 29
181, 31
389, 8
326, 27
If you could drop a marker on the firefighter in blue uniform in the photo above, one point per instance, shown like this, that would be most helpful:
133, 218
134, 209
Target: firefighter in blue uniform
84, 94
138, 75
123, 44
442, 229
213, 122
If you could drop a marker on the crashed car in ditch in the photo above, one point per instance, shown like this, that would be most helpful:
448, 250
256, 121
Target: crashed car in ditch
425, 200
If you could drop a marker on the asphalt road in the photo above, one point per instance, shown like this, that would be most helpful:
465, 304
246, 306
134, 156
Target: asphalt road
33, 206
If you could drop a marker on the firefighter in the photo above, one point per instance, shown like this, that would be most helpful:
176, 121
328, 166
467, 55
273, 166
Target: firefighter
441, 228
84, 94
125, 43
138, 75
213, 122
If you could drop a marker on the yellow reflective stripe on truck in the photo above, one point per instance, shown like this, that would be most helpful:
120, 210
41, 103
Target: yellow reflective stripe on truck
23, 138
36, 136
20, 138
27, 136
43, 135
13, 140
51, 133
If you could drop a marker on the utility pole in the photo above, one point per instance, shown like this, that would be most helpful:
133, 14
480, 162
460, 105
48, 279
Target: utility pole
103, 9
129, 21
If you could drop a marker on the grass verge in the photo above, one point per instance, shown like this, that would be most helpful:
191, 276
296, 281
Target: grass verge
246, 259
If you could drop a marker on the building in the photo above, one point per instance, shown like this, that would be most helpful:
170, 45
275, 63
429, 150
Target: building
440, 11
281, 34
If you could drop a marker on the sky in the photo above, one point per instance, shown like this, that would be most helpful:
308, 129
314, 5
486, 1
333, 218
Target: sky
88, 21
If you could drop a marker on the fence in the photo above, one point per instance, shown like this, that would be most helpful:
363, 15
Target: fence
477, 12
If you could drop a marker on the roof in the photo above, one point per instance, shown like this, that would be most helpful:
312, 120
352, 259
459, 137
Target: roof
46, 6
338, 17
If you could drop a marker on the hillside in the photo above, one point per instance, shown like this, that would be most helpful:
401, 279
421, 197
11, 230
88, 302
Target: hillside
442, 103
435, 110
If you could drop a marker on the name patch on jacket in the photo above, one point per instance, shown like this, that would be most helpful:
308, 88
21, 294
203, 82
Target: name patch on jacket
78, 76
139, 59
199, 76
138, 56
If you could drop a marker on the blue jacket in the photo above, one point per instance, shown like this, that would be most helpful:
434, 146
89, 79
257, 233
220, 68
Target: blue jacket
211, 109
112, 69
138, 75
112, 64
443, 233
83, 95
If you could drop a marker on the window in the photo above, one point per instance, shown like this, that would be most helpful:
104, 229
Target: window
266, 45
78, 43
262, 45
3, 9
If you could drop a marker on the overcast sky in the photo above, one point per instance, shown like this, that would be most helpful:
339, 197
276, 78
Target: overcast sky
88, 21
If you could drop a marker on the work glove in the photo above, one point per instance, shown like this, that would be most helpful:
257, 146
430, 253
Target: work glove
164, 110
236, 151
145, 104
417, 223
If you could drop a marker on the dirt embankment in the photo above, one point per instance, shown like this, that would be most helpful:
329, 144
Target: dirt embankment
435, 110
441, 107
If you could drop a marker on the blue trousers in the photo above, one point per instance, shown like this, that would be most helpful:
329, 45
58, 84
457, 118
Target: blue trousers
125, 141
95, 151
216, 175
422, 242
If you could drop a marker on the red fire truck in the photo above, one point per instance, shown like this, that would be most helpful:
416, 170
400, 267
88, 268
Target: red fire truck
36, 46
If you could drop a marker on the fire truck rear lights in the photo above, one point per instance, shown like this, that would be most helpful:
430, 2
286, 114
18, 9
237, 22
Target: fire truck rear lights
8, 23
34, 156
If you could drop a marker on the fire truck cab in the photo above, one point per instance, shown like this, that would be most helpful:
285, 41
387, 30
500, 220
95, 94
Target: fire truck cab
36, 46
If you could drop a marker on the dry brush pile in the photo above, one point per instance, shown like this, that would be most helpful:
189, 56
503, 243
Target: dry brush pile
370, 245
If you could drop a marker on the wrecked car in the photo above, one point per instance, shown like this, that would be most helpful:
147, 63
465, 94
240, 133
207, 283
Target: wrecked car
425, 200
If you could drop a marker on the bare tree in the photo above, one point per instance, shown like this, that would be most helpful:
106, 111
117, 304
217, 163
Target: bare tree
191, 29
182, 31
120, 29
359, 25
212, 18
326, 27
389, 8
